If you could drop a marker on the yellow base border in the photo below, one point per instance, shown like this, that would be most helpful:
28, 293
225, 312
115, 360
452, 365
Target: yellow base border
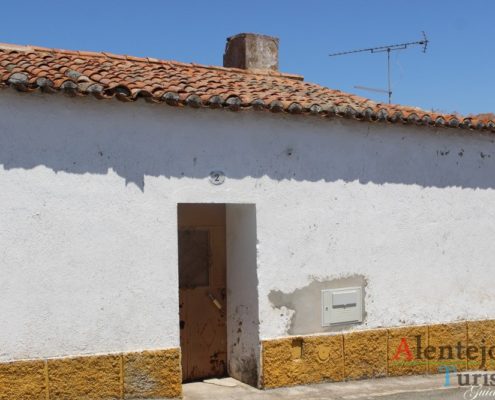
289, 361
139, 375
370, 353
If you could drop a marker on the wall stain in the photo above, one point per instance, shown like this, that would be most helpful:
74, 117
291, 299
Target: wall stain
246, 367
243, 363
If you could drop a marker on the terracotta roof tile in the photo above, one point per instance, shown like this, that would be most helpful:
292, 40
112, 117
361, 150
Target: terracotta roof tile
107, 75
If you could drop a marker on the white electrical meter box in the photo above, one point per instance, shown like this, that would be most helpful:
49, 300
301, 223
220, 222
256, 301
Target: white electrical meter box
341, 306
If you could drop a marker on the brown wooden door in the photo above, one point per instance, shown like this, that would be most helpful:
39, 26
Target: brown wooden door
202, 291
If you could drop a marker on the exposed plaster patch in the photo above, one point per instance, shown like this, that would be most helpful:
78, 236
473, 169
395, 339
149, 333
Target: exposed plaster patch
302, 307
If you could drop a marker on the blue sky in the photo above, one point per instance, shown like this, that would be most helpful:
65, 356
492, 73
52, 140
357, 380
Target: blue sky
456, 74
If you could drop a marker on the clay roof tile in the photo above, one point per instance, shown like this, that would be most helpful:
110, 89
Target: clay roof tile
128, 78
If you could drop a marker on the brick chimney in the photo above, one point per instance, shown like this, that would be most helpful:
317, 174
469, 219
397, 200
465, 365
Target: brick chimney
251, 51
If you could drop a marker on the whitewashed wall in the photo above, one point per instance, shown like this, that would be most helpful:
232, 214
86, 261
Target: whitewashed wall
243, 338
88, 247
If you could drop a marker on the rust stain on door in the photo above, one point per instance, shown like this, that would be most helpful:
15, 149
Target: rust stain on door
202, 290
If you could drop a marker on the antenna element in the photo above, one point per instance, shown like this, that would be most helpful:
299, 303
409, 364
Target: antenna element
381, 49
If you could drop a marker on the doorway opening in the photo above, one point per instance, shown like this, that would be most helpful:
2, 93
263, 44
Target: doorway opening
218, 291
202, 290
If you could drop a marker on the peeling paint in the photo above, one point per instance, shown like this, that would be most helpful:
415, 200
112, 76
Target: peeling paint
304, 304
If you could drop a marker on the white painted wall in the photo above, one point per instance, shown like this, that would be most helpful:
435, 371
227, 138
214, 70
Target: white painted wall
88, 247
242, 295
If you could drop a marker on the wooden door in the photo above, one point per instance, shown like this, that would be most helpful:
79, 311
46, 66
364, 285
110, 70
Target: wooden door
202, 291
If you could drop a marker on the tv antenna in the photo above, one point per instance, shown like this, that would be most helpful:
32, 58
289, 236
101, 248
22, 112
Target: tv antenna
388, 49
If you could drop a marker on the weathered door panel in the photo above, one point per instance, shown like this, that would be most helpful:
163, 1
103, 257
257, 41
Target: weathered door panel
205, 344
202, 291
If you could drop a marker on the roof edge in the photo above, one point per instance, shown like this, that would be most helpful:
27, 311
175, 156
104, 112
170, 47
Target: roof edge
385, 114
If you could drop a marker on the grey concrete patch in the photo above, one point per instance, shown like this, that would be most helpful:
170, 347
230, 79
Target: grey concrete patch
306, 302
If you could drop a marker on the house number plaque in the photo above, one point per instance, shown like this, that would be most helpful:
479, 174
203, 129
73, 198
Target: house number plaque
217, 177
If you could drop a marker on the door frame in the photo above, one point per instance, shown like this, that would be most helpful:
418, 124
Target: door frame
242, 299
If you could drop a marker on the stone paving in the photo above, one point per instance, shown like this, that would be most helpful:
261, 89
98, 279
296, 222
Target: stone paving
401, 388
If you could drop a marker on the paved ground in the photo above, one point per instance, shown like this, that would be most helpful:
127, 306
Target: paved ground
403, 388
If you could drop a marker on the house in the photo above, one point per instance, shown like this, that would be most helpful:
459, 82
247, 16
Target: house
164, 222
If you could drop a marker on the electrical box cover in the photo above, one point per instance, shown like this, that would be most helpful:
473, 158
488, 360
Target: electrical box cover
341, 306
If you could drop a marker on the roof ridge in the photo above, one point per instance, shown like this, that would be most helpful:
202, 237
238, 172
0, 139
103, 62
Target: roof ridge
151, 60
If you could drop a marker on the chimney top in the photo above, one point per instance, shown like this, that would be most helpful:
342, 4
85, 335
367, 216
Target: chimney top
251, 51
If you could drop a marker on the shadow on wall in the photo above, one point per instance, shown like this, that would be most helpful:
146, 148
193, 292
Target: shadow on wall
135, 140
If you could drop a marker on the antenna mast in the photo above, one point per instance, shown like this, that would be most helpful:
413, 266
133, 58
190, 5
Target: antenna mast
381, 49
